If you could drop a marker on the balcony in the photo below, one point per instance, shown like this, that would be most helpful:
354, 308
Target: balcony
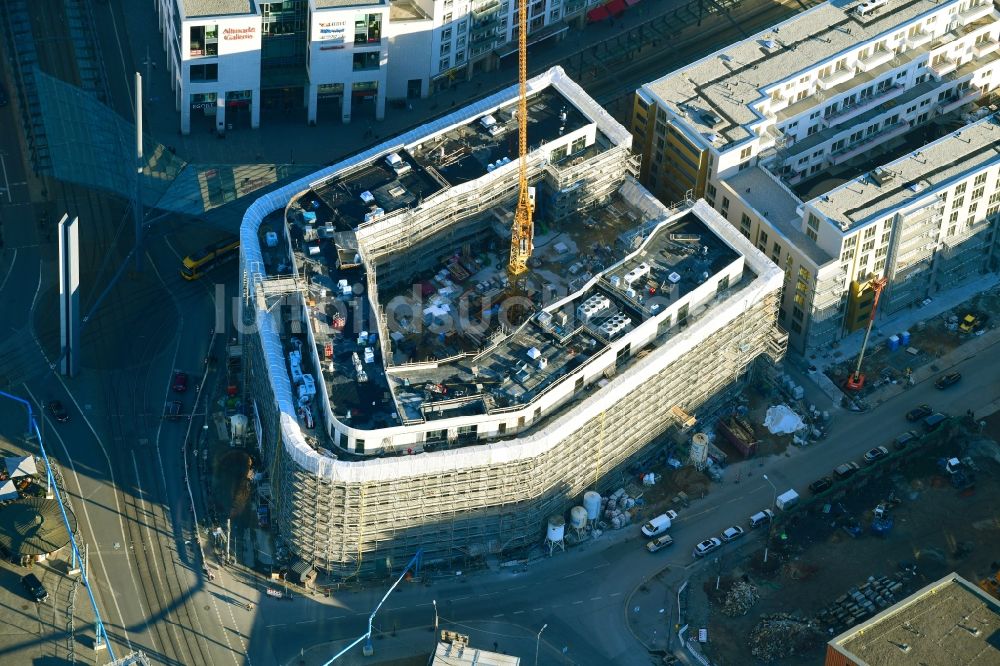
573, 6
918, 39
975, 12
954, 102
834, 78
943, 65
868, 142
875, 59
984, 48
485, 9
860, 107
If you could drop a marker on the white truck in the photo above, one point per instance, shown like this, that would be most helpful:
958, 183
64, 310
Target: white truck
660, 524
787, 500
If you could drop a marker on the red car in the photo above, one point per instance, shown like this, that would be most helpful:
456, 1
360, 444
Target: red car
180, 384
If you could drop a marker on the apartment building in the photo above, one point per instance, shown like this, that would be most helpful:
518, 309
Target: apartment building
337, 59
779, 130
395, 410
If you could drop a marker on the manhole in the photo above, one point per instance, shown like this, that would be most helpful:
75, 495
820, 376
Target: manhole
207, 608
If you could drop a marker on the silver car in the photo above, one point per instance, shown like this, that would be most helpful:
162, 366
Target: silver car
732, 533
706, 547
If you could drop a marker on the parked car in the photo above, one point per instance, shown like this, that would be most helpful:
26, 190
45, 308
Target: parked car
919, 412
34, 587
906, 439
934, 421
846, 470
732, 533
660, 542
944, 381
761, 518
821, 484
706, 547
659, 524
876, 454
180, 383
58, 412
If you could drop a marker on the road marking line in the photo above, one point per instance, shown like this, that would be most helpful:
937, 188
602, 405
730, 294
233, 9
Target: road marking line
306, 622
516, 587
499, 615
517, 612
601, 566
86, 512
537, 609
577, 603
458, 599
429, 603
10, 270
272, 626
615, 594
596, 598
571, 575
3, 163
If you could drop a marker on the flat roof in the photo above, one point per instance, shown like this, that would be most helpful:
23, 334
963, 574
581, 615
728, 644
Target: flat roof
458, 155
336, 4
949, 622
195, 8
726, 82
456, 654
405, 10
917, 175
776, 203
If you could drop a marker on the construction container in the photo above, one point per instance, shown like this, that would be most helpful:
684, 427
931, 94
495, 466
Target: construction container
893, 342
740, 434
592, 503
904, 338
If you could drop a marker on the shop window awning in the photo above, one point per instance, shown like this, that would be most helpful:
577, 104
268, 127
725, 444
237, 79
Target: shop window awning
632, 3
616, 7
598, 14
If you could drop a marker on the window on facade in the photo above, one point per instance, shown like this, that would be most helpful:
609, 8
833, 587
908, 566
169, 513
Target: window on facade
978, 192
209, 72
710, 190
366, 61
958, 202
444, 64
745, 153
367, 28
763, 237
725, 203
204, 40
445, 48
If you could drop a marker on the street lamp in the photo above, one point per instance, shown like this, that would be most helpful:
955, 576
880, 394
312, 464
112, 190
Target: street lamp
538, 639
774, 502
434, 601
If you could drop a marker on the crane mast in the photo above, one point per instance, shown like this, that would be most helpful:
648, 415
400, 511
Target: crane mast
523, 231
856, 380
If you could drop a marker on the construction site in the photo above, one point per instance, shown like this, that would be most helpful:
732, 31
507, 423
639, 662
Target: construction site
849, 553
411, 390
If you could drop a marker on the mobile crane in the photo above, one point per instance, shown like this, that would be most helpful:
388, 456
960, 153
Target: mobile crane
856, 380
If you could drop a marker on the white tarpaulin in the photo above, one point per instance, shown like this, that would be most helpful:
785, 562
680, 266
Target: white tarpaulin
781, 420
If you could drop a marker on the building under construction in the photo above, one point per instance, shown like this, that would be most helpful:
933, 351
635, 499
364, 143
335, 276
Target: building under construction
398, 406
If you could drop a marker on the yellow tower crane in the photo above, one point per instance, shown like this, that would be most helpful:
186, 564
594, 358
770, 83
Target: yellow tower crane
523, 231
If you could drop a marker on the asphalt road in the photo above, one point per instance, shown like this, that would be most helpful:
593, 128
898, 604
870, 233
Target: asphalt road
581, 594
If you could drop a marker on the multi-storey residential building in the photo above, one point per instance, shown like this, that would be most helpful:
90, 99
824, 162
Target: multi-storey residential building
783, 133
395, 406
339, 59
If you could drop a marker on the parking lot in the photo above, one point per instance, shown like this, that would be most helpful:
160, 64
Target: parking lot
827, 548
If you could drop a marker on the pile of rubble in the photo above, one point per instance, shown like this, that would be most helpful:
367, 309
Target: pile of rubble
781, 635
740, 599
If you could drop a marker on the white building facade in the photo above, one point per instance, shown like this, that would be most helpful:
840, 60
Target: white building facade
766, 127
344, 55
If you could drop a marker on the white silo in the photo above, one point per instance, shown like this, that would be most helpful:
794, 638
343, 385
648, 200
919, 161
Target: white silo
578, 520
699, 450
555, 531
592, 503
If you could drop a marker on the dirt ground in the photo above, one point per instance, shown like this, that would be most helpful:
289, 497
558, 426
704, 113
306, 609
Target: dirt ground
813, 560
931, 342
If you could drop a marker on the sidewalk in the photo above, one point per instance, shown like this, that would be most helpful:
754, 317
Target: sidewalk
287, 139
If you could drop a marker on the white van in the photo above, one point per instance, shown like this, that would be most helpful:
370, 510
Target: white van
660, 524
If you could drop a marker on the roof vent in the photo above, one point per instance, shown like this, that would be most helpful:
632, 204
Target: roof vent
917, 186
768, 44
880, 176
